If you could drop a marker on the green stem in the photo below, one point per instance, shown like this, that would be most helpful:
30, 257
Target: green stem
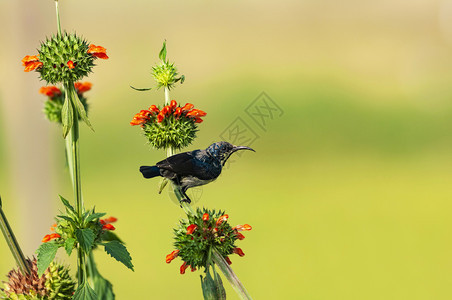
230, 275
73, 151
58, 17
12, 243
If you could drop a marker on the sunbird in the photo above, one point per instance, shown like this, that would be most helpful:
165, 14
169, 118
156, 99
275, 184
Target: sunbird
194, 168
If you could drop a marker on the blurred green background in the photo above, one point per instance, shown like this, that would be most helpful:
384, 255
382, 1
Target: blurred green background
349, 190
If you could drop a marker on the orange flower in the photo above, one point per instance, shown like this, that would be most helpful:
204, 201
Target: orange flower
228, 260
166, 110
31, 62
50, 237
244, 227
240, 236
183, 268
191, 228
108, 226
173, 104
178, 112
160, 117
98, 51
222, 219
82, 87
198, 120
50, 91
154, 108
196, 113
108, 220
187, 107
138, 122
111, 219
205, 217
70, 64
172, 256
238, 251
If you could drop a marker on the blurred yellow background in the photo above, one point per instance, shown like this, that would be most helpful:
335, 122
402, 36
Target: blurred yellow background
349, 191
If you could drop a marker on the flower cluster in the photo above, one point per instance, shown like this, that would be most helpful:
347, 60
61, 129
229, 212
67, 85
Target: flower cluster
64, 58
172, 126
195, 238
55, 283
55, 100
86, 232
64, 228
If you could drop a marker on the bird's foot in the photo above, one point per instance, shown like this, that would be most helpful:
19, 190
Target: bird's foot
185, 200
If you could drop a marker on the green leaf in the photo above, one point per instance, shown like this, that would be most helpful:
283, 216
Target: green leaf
85, 238
69, 245
81, 109
94, 216
67, 204
163, 184
84, 292
67, 116
141, 90
162, 54
103, 288
108, 236
119, 252
46, 253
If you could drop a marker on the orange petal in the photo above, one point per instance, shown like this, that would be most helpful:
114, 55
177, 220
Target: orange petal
183, 268
205, 217
70, 64
172, 256
191, 228
82, 87
98, 51
30, 66
222, 219
238, 251
245, 227
50, 91
28, 59
108, 227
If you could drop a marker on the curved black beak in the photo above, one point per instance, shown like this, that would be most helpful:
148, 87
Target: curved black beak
236, 148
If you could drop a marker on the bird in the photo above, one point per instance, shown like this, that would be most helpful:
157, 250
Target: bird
193, 168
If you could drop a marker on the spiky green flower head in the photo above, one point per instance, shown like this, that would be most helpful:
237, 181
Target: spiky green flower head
54, 284
173, 126
166, 73
204, 231
67, 58
54, 103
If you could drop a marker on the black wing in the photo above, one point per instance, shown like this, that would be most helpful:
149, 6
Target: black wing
180, 164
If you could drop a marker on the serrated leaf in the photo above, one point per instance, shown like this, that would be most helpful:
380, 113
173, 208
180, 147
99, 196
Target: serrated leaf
67, 204
81, 109
94, 216
84, 292
67, 116
141, 90
162, 54
85, 238
182, 79
119, 252
46, 254
69, 245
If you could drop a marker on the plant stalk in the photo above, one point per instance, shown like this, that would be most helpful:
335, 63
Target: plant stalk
73, 151
12, 243
58, 17
230, 275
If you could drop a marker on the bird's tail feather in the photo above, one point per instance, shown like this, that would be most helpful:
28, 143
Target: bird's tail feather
149, 172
